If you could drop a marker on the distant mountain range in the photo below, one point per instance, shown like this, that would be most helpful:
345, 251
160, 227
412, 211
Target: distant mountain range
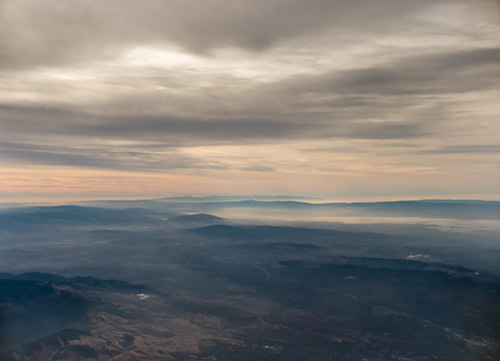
447, 209
232, 198
452, 209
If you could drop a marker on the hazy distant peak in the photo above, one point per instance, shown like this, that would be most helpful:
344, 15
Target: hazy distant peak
198, 218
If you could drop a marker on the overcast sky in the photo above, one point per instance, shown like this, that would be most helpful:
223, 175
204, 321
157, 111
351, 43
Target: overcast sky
333, 98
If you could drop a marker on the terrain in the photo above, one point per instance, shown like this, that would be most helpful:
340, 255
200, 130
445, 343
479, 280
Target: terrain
179, 280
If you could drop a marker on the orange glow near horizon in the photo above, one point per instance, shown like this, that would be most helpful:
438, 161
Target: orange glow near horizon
60, 184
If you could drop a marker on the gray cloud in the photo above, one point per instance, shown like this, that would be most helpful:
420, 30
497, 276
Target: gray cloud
441, 73
107, 158
455, 72
42, 32
259, 169
339, 104
176, 131
171, 130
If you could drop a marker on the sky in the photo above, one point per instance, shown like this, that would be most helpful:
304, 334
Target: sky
322, 98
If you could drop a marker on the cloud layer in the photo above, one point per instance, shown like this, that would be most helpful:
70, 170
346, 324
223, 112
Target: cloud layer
352, 88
